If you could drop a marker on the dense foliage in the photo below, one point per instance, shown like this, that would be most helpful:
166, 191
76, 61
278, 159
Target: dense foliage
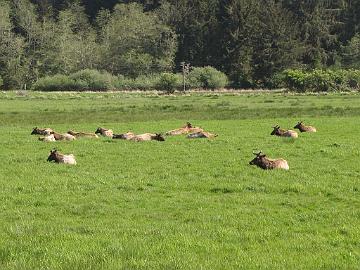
250, 41
320, 80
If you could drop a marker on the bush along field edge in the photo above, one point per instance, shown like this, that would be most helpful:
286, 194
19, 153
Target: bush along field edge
207, 78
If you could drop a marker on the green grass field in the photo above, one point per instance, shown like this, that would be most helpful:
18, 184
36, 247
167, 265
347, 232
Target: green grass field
180, 204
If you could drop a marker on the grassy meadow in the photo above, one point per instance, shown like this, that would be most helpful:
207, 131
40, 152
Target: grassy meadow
180, 204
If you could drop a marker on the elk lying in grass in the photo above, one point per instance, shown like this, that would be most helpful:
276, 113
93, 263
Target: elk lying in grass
125, 136
148, 137
63, 137
82, 134
60, 158
284, 132
201, 134
47, 138
104, 132
41, 131
304, 128
188, 128
268, 164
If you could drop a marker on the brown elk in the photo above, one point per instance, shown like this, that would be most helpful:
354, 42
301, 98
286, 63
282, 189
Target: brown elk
188, 128
201, 134
268, 164
104, 132
300, 125
125, 136
61, 158
82, 134
284, 132
148, 137
41, 131
63, 137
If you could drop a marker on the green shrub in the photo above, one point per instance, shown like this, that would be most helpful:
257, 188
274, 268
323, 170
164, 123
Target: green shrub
321, 80
277, 81
144, 82
140, 83
54, 83
295, 79
168, 82
353, 79
121, 83
84, 80
1, 82
92, 80
207, 78
240, 80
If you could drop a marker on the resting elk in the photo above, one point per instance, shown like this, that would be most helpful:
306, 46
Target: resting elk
125, 136
63, 137
201, 134
188, 128
41, 131
268, 164
82, 134
300, 125
284, 132
57, 157
148, 137
104, 132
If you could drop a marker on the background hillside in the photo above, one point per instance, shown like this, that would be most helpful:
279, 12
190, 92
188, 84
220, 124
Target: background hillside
249, 40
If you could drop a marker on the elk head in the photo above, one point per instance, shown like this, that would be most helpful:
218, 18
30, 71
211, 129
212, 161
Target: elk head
275, 131
159, 137
35, 131
53, 155
298, 125
258, 159
99, 130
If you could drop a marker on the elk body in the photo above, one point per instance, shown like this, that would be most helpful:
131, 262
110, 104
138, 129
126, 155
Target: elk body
57, 157
201, 134
284, 132
148, 137
104, 132
300, 125
47, 138
188, 128
41, 131
82, 134
125, 136
268, 164
63, 137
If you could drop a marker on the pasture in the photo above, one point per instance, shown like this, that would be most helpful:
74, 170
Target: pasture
180, 204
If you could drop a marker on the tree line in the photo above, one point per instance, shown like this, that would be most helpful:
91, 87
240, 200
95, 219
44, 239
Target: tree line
251, 41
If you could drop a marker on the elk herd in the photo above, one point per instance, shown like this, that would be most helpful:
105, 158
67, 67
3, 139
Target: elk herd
191, 132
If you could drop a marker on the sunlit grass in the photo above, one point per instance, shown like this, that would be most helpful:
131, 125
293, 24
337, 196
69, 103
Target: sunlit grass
179, 204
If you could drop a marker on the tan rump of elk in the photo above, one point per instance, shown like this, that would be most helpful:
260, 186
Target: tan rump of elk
284, 132
148, 137
41, 131
303, 128
186, 129
57, 157
47, 138
82, 134
104, 132
268, 164
201, 134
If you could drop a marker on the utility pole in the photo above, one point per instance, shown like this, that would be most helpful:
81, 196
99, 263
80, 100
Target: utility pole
185, 71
